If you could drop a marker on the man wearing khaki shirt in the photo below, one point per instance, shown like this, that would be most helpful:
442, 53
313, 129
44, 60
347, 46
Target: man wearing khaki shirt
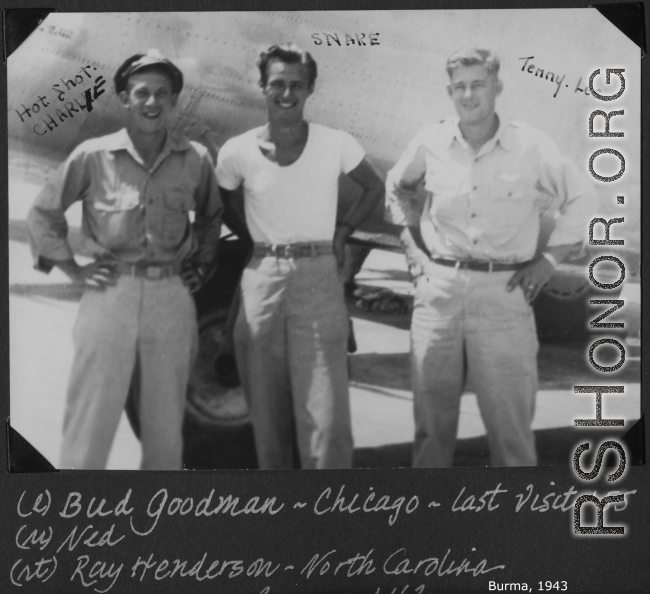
136, 187
471, 238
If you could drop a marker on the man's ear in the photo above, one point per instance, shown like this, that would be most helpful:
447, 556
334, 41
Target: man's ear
124, 99
499, 86
312, 87
449, 90
174, 99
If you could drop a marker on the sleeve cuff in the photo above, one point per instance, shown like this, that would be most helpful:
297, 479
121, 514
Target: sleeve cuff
402, 210
43, 264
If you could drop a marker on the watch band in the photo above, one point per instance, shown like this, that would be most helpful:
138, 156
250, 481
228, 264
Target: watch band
551, 258
350, 226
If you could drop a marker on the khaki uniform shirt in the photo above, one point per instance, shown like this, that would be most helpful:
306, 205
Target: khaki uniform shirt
130, 212
486, 206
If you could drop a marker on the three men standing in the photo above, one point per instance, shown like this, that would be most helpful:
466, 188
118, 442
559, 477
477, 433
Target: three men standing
472, 238
292, 329
136, 187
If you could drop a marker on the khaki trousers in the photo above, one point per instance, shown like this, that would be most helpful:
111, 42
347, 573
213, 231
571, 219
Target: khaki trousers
465, 324
151, 323
291, 345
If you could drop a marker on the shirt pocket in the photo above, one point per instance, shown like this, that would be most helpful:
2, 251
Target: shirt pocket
178, 201
117, 201
114, 218
509, 203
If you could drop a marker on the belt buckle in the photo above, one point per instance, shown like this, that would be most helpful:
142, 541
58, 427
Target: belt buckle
289, 251
153, 272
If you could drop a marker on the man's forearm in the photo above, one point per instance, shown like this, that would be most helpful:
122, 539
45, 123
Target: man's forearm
364, 207
413, 242
417, 254
207, 242
365, 176
560, 253
233, 214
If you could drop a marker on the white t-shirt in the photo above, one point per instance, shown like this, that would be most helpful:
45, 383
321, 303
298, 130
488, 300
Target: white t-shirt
295, 202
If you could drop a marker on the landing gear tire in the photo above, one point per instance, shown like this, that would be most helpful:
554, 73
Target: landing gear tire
562, 310
215, 398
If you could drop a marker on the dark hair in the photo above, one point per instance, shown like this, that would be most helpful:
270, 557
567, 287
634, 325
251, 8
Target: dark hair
474, 56
289, 53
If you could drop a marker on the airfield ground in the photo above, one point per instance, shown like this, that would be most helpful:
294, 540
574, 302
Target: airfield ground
42, 310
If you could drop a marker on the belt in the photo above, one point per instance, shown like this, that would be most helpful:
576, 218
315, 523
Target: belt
147, 271
293, 250
482, 266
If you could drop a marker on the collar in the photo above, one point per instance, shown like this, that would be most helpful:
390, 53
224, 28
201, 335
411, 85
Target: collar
122, 141
503, 135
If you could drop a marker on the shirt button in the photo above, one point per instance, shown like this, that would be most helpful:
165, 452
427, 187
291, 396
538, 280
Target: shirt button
150, 200
473, 214
475, 187
475, 241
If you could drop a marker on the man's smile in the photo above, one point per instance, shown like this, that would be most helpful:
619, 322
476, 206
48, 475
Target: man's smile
286, 104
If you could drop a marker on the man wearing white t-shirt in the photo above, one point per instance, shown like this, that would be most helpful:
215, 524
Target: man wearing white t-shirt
292, 329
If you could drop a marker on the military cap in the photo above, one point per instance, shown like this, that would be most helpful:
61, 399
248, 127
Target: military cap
153, 57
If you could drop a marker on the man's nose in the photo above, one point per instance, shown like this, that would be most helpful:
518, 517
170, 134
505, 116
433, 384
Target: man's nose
467, 92
151, 100
287, 92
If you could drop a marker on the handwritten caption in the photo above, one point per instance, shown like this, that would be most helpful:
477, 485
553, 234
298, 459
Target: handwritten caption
546, 74
44, 548
345, 39
66, 103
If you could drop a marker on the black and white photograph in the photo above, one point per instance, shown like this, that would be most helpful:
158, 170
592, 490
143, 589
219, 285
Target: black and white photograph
402, 247
430, 311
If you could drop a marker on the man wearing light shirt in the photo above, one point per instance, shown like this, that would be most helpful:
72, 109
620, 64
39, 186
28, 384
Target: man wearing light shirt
471, 239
